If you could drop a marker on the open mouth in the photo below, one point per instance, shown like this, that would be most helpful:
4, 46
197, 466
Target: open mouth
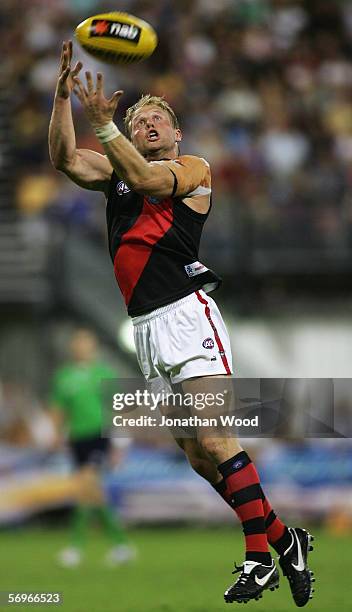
152, 136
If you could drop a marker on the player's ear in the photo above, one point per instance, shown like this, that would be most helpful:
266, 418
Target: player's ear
178, 135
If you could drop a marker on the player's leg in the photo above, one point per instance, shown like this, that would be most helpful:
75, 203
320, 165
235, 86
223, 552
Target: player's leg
238, 474
198, 350
81, 513
199, 461
91, 502
94, 502
198, 346
278, 534
292, 545
246, 587
120, 550
86, 499
196, 362
237, 470
240, 487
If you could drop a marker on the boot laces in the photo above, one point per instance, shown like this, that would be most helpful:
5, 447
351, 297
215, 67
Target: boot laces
244, 577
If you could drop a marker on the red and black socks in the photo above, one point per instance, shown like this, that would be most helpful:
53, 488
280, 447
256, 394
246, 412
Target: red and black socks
244, 493
277, 533
279, 536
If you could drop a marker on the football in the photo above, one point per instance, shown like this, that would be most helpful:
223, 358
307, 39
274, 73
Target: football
117, 38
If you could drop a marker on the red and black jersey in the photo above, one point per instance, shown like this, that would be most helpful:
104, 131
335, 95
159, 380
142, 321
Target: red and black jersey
154, 243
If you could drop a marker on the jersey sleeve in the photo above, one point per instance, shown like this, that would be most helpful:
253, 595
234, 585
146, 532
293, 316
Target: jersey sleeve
192, 174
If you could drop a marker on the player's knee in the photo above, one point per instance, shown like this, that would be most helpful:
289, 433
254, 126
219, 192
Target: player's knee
215, 448
203, 466
208, 445
200, 466
201, 463
193, 454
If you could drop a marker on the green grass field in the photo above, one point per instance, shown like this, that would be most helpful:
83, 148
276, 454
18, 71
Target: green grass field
178, 570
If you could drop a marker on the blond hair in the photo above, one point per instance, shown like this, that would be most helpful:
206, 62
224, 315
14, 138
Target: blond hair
148, 100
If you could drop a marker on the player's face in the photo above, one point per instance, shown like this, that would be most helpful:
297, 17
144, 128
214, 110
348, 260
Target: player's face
83, 346
153, 132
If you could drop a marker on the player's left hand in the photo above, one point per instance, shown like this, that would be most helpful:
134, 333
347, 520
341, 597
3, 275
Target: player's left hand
98, 108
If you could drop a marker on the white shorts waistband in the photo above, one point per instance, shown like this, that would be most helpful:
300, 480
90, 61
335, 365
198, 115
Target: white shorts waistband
158, 312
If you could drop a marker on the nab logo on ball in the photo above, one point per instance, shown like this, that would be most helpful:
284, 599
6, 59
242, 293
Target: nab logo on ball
122, 188
208, 343
117, 37
115, 29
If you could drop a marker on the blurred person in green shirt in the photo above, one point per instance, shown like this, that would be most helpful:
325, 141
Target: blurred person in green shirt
76, 407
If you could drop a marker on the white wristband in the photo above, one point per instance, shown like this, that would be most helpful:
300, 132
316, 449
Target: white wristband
107, 132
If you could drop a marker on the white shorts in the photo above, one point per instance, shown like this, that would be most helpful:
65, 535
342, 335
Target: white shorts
182, 340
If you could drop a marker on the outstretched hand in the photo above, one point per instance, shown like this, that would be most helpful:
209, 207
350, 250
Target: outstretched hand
97, 107
65, 82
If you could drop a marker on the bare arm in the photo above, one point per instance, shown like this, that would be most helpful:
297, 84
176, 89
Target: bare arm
152, 178
88, 169
162, 178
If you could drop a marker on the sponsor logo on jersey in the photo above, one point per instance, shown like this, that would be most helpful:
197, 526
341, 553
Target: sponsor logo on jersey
122, 188
195, 268
208, 343
152, 200
115, 29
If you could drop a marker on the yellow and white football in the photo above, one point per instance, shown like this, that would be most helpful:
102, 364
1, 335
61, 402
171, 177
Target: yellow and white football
117, 38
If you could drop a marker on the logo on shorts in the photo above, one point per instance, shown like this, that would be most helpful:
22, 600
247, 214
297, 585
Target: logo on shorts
208, 343
237, 465
122, 188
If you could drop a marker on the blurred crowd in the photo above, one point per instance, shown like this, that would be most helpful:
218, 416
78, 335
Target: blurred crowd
262, 89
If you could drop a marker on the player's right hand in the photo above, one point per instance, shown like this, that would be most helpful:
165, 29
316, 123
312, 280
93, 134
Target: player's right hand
65, 82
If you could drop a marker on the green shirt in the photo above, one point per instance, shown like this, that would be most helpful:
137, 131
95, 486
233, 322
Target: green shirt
76, 390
